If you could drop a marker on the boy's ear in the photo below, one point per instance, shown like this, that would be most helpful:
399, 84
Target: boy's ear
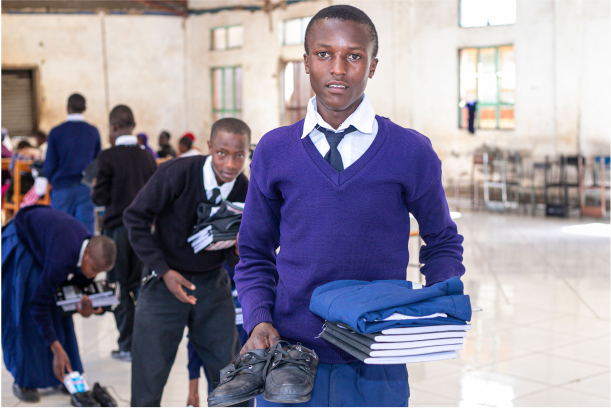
372, 67
209, 146
305, 62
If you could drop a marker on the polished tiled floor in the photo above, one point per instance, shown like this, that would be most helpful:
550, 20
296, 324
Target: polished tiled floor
543, 338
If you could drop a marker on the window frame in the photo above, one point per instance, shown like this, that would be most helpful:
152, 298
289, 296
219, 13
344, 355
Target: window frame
226, 28
301, 19
487, 20
498, 103
233, 79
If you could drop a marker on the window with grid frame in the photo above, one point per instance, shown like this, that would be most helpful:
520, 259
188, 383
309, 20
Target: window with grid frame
488, 76
226, 38
294, 30
482, 13
226, 92
297, 92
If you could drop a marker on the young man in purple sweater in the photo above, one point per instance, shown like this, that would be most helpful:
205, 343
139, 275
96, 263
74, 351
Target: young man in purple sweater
334, 192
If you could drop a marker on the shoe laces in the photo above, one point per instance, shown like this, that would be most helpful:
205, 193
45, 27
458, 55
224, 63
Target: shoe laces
302, 361
246, 361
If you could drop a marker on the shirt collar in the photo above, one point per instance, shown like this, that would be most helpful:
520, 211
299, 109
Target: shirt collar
210, 180
75, 117
126, 140
80, 257
362, 118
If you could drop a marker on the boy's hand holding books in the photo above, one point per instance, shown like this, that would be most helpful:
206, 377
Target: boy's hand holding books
86, 308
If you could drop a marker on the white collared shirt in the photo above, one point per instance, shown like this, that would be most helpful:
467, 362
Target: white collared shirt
354, 144
75, 117
126, 140
80, 257
210, 180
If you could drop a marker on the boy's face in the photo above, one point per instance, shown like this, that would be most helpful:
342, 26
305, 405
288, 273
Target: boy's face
228, 152
339, 63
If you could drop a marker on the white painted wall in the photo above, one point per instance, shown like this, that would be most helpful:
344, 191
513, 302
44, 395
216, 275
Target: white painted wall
160, 66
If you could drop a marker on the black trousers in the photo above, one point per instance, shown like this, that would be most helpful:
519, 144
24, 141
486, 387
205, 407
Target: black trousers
160, 324
127, 272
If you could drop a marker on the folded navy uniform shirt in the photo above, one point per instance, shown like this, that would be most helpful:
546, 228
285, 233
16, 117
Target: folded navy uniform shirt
364, 305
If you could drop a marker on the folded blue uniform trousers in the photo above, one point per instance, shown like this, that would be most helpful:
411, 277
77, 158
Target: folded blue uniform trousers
355, 385
364, 305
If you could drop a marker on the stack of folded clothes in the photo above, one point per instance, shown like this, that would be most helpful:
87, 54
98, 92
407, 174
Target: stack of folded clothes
216, 225
394, 322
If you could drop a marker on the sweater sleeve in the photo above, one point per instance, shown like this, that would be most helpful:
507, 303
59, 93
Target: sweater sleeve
442, 254
50, 164
139, 217
256, 276
43, 298
100, 194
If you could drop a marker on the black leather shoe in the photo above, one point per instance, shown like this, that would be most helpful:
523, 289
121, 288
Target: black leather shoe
26, 394
102, 396
83, 399
242, 379
291, 375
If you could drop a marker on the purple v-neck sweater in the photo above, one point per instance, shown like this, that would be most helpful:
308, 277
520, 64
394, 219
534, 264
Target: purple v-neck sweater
333, 225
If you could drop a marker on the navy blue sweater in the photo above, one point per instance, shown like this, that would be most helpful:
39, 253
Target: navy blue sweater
55, 240
334, 226
71, 147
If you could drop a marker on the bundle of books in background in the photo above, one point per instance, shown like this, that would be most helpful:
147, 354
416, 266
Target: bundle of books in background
102, 294
399, 345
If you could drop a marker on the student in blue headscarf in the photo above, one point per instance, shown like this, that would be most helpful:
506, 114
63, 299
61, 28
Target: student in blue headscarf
143, 141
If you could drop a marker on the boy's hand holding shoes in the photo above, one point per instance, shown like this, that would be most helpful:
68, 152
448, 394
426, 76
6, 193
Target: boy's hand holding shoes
263, 336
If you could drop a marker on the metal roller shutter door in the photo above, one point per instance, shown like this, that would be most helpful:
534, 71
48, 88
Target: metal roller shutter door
18, 102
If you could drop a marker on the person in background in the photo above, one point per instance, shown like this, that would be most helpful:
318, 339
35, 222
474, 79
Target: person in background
185, 147
165, 149
72, 146
24, 151
6, 154
41, 143
143, 140
185, 288
42, 249
122, 171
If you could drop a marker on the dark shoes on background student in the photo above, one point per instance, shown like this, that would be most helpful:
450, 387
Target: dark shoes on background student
121, 355
242, 379
284, 372
26, 394
291, 374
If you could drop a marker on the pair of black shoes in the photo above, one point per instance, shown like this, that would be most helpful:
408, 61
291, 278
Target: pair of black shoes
284, 373
97, 397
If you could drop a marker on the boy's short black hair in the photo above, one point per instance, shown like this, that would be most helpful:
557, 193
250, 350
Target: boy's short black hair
76, 103
122, 116
165, 133
23, 144
186, 142
230, 125
344, 12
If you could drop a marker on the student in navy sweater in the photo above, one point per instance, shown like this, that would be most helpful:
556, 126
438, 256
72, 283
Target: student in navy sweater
185, 288
122, 171
72, 146
41, 249
334, 192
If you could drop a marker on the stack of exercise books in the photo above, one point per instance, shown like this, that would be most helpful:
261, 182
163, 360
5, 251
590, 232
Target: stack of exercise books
217, 227
399, 345
239, 319
102, 294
